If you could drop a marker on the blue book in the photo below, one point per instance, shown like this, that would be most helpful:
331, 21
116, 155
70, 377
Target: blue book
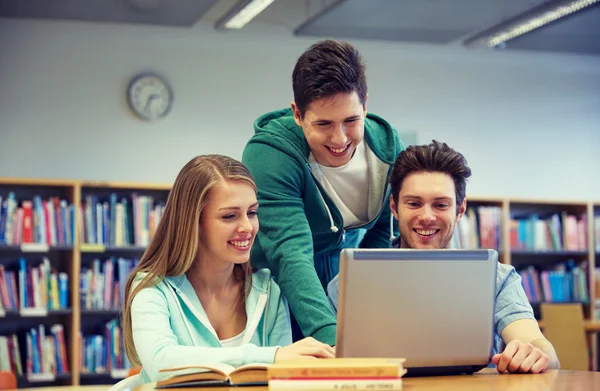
63, 290
3, 220
35, 350
113, 219
105, 224
59, 366
23, 282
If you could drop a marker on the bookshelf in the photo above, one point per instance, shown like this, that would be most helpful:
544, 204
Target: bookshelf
83, 251
88, 256
546, 237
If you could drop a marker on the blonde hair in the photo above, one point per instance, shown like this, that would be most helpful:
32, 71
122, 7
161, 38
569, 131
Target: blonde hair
174, 247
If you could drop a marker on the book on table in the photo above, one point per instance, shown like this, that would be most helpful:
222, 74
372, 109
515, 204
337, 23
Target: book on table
379, 373
215, 374
337, 374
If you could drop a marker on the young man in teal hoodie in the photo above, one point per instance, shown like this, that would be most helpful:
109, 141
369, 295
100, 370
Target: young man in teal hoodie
321, 168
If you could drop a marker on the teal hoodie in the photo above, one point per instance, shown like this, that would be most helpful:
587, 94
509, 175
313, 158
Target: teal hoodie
301, 230
171, 329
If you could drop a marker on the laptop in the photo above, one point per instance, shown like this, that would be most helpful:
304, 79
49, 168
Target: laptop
435, 308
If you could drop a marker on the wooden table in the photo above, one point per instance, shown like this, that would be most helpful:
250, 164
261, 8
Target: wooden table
68, 388
487, 379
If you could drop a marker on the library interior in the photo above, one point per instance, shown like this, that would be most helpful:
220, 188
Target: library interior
103, 103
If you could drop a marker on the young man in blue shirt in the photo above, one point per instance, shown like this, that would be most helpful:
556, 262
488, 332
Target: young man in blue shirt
428, 198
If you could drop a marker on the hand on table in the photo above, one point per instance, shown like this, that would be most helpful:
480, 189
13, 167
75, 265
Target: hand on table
305, 348
520, 357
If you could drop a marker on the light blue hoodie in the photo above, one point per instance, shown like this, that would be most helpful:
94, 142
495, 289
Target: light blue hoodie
171, 329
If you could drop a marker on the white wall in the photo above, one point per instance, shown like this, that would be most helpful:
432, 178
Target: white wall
529, 124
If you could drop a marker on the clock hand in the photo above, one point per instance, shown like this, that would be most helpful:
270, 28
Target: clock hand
150, 98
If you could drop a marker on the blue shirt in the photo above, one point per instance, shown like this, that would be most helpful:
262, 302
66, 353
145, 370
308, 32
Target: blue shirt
511, 302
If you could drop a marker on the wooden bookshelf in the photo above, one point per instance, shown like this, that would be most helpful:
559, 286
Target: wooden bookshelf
94, 254
513, 207
70, 259
75, 258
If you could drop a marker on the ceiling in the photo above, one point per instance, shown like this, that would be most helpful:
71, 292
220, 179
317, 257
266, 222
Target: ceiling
436, 22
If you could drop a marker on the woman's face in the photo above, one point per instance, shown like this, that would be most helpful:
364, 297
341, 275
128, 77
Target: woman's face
229, 223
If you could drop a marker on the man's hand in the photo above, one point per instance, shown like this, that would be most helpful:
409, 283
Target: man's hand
519, 357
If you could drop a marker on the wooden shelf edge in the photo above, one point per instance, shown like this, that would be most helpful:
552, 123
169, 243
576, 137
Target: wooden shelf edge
590, 326
126, 185
37, 182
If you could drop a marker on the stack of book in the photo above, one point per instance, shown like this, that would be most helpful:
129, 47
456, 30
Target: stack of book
324, 374
337, 374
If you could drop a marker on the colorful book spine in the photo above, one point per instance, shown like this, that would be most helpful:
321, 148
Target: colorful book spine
46, 352
557, 232
119, 223
104, 353
564, 283
479, 228
102, 284
35, 220
10, 355
30, 287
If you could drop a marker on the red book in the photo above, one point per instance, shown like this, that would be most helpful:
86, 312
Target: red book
27, 222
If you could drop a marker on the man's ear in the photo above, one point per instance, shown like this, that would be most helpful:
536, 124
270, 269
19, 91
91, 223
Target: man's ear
365, 105
393, 207
297, 114
461, 209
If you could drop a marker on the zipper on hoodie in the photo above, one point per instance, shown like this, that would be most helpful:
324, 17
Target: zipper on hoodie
263, 299
378, 214
333, 227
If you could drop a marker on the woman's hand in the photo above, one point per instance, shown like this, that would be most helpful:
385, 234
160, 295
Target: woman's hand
305, 348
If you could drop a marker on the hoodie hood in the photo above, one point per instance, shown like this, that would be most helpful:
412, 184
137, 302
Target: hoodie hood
257, 304
279, 130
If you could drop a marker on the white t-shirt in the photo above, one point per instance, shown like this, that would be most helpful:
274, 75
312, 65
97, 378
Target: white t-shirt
233, 342
347, 185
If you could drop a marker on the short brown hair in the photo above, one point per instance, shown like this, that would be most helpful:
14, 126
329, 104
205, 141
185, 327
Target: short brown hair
435, 157
328, 68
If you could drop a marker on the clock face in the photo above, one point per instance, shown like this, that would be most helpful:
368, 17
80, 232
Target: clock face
149, 96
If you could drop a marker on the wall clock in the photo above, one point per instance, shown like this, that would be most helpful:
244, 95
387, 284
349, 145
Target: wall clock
149, 96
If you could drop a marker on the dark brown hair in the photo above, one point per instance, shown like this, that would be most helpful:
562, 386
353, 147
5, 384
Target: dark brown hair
325, 69
435, 157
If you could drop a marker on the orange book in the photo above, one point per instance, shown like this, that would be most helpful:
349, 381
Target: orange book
338, 368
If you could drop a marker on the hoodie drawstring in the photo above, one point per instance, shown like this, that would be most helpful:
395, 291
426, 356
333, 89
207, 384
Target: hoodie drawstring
266, 314
391, 226
332, 226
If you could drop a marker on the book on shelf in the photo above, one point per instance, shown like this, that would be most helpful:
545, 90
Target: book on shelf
104, 353
478, 228
120, 222
102, 286
557, 232
563, 283
46, 353
597, 232
10, 355
46, 221
33, 290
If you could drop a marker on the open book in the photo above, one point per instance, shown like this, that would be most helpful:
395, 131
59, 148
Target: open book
216, 374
